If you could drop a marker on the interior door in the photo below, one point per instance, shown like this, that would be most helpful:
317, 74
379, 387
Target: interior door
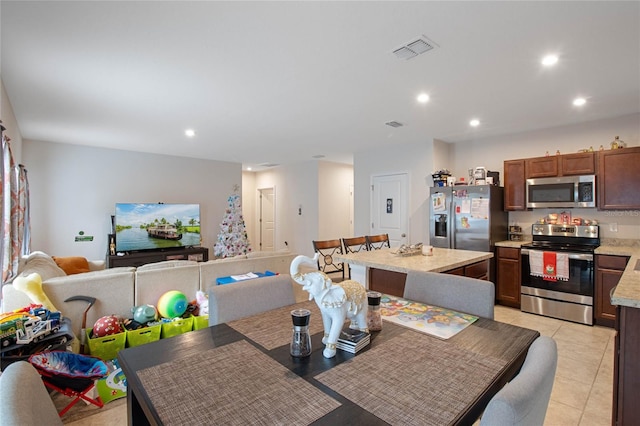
267, 217
389, 207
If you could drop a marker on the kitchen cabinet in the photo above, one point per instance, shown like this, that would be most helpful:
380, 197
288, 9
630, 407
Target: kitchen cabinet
538, 167
514, 185
135, 259
609, 269
508, 276
581, 163
626, 368
618, 173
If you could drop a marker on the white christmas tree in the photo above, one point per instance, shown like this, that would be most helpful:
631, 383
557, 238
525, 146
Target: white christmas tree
232, 239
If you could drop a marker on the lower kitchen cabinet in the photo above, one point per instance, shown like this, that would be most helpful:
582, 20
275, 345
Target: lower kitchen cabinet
626, 368
508, 276
609, 269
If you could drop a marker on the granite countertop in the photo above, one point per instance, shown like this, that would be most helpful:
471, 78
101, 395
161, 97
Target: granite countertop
627, 292
441, 261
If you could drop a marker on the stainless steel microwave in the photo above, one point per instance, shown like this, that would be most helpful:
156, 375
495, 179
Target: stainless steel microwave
562, 192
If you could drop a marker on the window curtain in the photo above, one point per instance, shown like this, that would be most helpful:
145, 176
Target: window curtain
14, 197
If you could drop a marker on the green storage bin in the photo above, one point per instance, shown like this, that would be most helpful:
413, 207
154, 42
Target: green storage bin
107, 347
143, 335
200, 322
173, 328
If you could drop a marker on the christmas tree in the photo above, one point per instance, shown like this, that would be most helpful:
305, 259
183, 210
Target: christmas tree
232, 239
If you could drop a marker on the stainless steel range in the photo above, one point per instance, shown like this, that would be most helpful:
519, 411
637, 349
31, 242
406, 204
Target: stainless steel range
558, 272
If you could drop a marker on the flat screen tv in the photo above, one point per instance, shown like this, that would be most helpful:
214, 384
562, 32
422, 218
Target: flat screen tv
142, 226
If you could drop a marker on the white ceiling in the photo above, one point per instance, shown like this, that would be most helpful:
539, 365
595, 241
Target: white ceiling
279, 82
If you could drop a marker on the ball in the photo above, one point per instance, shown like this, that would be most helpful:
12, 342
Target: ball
106, 325
172, 304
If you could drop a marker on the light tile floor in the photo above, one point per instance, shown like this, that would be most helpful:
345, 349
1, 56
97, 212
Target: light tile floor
582, 391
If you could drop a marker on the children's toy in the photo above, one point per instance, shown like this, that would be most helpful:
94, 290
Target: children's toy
172, 304
106, 325
70, 374
203, 303
24, 328
31, 285
144, 313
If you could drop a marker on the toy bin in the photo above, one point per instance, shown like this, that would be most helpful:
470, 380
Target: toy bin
200, 322
179, 326
107, 347
143, 335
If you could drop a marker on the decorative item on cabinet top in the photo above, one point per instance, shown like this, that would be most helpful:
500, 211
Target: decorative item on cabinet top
515, 233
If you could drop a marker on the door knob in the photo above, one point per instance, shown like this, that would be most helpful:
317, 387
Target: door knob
403, 235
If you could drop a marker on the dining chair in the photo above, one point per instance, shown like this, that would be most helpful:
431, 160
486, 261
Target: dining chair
524, 400
354, 245
327, 249
376, 242
464, 294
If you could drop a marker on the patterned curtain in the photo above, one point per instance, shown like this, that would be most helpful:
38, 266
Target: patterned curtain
14, 197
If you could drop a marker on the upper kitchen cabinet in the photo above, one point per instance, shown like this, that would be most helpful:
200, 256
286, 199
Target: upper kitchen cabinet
581, 163
538, 167
618, 174
514, 185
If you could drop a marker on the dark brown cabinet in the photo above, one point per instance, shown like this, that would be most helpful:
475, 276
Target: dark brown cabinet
538, 167
609, 269
581, 163
626, 368
618, 173
514, 185
508, 276
199, 254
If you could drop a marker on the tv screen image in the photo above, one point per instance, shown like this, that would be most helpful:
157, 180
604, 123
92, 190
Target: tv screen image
146, 226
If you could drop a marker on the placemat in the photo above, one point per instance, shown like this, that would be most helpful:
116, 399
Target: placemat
413, 379
273, 328
207, 389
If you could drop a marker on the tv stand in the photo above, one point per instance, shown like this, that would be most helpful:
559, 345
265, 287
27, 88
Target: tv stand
200, 254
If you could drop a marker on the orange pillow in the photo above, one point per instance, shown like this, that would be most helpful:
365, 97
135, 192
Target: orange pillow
72, 265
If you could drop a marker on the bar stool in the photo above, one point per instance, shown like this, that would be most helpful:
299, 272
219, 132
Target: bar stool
376, 242
327, 249
354, 245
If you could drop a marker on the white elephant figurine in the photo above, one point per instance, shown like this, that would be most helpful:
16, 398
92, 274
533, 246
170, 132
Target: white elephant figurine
347, 299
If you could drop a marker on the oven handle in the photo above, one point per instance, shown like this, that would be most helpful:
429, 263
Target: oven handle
578, 256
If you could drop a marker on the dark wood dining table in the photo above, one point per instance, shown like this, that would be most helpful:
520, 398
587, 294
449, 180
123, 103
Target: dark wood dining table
241, 372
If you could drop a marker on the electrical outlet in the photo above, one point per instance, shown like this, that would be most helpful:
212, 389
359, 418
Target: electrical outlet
613, 227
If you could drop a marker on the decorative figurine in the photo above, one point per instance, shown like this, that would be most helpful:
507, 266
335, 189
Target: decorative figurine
337, 301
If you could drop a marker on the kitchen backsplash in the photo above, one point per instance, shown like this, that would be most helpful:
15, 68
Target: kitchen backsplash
627, 222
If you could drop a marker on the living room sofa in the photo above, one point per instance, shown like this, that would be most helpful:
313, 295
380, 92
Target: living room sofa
117, 290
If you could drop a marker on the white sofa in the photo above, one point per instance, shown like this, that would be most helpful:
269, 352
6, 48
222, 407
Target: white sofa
117, 290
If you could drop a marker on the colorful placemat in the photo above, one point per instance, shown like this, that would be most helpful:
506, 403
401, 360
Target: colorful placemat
414, 379
433, 320
205, 388
273, 328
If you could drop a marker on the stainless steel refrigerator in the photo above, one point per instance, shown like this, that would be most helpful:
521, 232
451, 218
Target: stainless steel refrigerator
467, 217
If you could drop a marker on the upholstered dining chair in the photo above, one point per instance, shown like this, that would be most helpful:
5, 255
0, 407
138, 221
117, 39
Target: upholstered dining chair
464, 294
354, 245
376, 242
327, 249
524, 400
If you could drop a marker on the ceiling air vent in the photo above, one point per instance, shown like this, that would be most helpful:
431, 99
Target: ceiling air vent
414, 48
394, 124
268, 165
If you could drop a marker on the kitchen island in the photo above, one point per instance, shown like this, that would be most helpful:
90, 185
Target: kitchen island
383, 270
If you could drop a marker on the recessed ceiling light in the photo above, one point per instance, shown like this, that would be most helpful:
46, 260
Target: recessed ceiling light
475, 122
423, 98
579, 101
249, 169
549, 60
190, 133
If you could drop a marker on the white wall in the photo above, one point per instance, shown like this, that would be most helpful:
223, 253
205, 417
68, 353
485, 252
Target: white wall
417, 160
75, 188
334, 200
9, 121
249, 207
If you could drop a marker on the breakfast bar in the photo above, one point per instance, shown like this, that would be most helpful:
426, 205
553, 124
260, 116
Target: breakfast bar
384, 270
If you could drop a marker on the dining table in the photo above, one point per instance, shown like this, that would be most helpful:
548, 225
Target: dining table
242, 372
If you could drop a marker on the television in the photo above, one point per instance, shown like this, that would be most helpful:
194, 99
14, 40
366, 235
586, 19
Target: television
146, 226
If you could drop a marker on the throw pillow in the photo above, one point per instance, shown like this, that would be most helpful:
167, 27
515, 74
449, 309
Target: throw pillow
72, 265
42, 264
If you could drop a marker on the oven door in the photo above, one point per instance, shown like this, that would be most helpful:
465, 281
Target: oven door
570, 300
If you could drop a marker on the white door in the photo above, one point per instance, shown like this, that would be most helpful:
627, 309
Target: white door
389, 207
267, 215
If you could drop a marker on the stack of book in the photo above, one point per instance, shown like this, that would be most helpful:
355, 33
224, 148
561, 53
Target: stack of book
352, 340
